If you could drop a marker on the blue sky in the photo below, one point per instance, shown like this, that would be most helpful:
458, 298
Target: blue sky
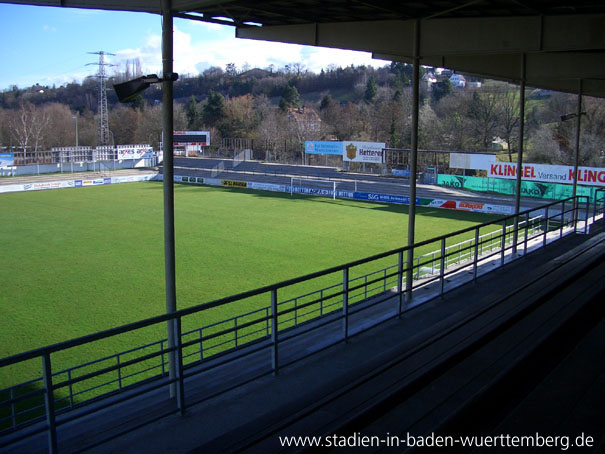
49, 45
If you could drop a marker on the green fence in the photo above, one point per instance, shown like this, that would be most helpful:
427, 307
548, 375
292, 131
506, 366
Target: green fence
538, 190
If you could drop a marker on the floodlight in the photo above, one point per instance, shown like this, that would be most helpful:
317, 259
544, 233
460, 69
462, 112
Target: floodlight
128, 91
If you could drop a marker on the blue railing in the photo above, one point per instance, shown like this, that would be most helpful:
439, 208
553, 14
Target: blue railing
145, 369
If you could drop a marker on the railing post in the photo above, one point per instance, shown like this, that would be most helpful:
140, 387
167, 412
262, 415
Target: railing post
178, 344
476, 260
562, 218
442, 266
503, 244
345, 304
400, 282
576, 210
321, 302
71, 389
119, 372
201, 346
545, 228
49, 403
162, 357
295, 312
274, 340
384, 286
11, 396
586, 216
235, 330
526, 233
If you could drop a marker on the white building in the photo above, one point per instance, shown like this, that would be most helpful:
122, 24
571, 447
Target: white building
458, 81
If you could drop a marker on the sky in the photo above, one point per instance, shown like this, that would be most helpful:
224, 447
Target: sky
50, 46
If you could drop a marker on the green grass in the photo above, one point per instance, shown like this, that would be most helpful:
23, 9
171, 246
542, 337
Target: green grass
77, 261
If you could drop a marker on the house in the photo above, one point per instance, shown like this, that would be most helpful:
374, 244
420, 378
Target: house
458, 81
306, 119
429, 78
475, 84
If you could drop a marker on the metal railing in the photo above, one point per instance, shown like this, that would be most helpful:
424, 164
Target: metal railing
598, 204
355, 290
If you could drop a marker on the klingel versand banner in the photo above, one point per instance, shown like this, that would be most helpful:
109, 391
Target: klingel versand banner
593, 176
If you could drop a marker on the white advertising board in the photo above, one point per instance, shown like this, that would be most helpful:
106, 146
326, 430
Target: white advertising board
471, 161
134, 151
363, 152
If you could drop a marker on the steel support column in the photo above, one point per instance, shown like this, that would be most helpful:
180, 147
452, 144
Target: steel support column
413, 162
520, 156
168, 169
577, 160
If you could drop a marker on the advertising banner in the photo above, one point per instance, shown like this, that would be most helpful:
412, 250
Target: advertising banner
533, 189
594, 176
386, 198
39, 186
134, 151
401, 173
234, 183
323, 147
363, 152
267, 186
7, 159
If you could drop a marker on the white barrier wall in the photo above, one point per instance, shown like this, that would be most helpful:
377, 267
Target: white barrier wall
73, 167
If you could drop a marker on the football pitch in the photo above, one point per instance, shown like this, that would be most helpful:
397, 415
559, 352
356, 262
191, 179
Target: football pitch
77, 261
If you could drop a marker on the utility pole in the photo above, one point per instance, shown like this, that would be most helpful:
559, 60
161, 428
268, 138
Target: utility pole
102, 112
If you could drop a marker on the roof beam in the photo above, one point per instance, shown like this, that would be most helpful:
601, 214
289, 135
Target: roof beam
447, 36
555, 71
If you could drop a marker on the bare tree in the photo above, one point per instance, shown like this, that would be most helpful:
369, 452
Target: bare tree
28, 124
508, 117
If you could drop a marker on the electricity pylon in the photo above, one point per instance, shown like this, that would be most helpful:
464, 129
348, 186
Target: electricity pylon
102, 112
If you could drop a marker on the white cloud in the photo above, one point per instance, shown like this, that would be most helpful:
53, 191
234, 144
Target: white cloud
215, 45
48, 28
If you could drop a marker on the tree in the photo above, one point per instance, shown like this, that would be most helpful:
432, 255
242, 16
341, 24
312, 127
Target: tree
214, 108
28, 125
192, 114
292, 96
441, 89
325, 102
231, 69
124, 121
508, 118
483, 116
371, 90
239, 119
